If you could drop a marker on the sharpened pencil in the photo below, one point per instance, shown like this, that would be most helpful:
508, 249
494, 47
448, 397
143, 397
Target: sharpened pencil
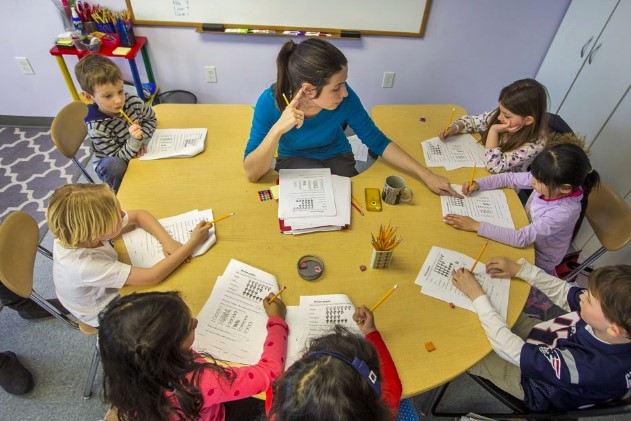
271, 300
451, 117
386, 295
479, 255
472, 175
357, 208
126, 116
219, 219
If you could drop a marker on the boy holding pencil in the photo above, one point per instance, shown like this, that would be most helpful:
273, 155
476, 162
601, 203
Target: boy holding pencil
117, 122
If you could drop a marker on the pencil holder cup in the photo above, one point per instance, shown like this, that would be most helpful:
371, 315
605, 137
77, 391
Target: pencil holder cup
381, 259
110, 40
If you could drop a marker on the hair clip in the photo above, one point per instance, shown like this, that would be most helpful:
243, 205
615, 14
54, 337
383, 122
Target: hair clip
360, 366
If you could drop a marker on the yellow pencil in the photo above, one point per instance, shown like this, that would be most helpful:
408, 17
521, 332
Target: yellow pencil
219, 219
286, 100
386, 295
126, 116
451, 117
271, 300
472, 175
479, 255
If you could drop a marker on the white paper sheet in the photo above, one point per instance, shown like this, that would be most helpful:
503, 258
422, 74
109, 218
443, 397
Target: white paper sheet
342, 196
306, 193
316, 316
232, 322
488, 206
145, 250
454, 152
360, 150
435, 280
175, 143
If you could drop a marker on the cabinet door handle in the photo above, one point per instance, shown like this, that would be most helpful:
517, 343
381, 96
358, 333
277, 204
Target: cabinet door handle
586, 46
593, 53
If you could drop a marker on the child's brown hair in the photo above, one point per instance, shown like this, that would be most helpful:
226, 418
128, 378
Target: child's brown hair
611, 285
95, 70
82, 213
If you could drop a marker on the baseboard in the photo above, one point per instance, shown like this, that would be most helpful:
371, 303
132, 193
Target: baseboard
25, 121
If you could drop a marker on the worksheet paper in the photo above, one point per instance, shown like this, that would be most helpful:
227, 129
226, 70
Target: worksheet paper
175, 143
316, 316
231, 325
342, 196
360, 150
435, 280
306, 193
455, 152
487, 206
145, 250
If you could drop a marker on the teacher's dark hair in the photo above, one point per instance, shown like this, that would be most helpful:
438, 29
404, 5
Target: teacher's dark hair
313, 61
324, 388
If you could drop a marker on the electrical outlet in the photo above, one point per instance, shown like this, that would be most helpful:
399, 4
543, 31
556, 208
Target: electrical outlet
211, 74
388, 80
25, 66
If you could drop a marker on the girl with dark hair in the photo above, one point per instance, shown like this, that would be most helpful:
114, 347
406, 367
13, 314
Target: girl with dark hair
562, 178
341, 377
151, 373
515, 132
302, 114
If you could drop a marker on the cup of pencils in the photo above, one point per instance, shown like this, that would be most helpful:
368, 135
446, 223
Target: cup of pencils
383, 247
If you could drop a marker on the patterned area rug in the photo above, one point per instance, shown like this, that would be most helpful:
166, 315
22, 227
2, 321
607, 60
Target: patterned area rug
31, 168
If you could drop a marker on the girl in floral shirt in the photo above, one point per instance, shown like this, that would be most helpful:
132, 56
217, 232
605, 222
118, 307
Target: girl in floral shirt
515, 132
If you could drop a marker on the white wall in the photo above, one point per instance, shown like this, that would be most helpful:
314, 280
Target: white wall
471, 49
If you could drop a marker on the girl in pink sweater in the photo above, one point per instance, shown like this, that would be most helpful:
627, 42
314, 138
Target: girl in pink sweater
151, 372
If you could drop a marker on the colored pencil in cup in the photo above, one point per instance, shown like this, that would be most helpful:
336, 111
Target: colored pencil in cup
271, 300
219, 219
386, 295
286, 100
479, 255
126, 116
451, 117
471, 180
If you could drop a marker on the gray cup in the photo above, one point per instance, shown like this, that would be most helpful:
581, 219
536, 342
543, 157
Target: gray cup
394, 191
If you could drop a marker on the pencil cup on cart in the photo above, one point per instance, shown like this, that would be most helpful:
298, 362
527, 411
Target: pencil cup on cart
394, 191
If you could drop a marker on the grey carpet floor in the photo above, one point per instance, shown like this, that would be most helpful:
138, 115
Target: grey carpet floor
59, 358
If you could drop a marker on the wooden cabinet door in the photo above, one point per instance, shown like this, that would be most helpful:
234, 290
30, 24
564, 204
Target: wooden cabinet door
574, 40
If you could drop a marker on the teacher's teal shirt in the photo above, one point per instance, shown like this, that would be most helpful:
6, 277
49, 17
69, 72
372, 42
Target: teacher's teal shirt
320, 137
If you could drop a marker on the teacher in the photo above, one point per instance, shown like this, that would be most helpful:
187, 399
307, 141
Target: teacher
307, 131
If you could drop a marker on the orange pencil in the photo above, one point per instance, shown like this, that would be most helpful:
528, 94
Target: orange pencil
271, 300
219, 219
479, 255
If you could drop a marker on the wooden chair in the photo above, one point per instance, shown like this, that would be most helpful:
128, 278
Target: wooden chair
610, 218
19, 238
520, 412
68, 132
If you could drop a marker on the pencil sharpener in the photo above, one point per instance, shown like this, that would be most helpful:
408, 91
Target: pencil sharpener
310, 267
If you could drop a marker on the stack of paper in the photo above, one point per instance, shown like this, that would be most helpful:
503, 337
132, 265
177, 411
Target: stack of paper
454, 152
232, 322
435, 280
175, 143
313, 200
145, 250
488, 206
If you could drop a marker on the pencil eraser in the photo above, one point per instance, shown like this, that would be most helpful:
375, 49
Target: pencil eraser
214, 27
350, 34
452, 305
429, 346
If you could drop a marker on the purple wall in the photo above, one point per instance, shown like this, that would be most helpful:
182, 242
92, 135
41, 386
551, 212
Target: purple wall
471, 49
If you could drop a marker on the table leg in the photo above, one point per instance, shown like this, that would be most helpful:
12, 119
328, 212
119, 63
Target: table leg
136, 76
145, 59
64, 71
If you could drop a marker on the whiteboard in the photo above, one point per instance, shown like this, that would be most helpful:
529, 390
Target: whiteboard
396, 17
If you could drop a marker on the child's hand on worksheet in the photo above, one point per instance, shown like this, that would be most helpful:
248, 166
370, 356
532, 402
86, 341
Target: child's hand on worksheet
461, 222
444, 134
292, 116
275, 308
141, 151
136, 131
466, 190
364, 319
464, 280
502, 267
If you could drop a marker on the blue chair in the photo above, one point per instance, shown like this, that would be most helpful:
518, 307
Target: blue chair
407, 411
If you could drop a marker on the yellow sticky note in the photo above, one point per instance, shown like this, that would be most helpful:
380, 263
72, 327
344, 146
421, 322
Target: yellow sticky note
121, 51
